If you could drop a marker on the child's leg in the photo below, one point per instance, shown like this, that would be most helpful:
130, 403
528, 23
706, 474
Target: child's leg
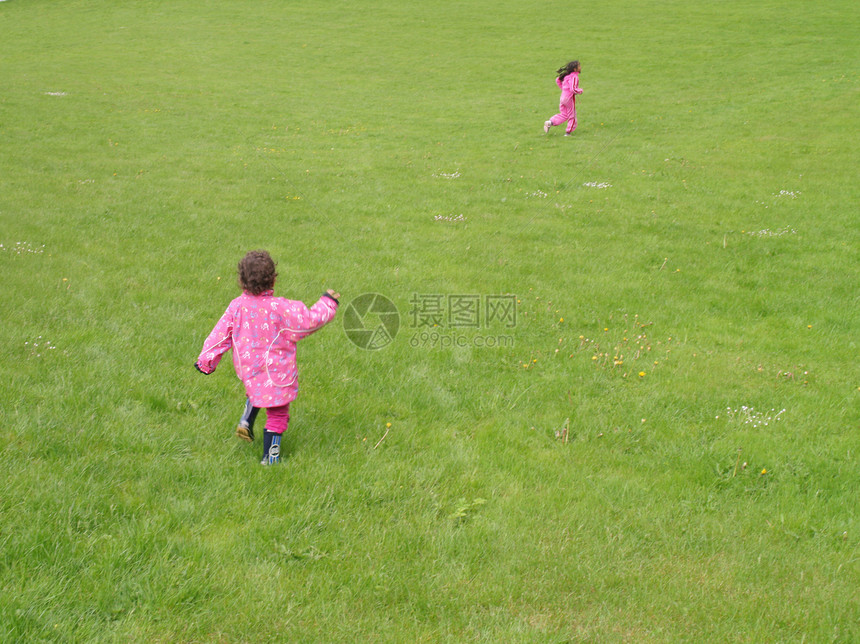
245, 428
277, 419
558, 119
564, 112
571, 124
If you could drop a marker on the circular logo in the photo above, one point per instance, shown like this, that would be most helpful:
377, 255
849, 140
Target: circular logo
371, 321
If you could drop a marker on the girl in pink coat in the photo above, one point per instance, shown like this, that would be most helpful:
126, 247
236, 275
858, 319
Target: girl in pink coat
263, 330
568, 81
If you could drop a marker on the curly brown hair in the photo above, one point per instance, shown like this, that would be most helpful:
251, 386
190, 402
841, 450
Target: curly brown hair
257, 272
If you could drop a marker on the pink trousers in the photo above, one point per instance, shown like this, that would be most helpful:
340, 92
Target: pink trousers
277, 419
566, 113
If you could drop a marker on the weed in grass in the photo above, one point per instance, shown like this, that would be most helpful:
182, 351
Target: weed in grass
785, 230
37, 347
22, 248
621, 355
749, 416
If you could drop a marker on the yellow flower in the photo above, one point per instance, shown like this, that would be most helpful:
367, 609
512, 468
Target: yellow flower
641, 374
764, 471
388, 424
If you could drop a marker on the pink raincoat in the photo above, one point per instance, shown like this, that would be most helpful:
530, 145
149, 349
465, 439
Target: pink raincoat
567, 103
263, 330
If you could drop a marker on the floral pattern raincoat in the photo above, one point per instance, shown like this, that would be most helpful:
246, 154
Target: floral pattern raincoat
263, 331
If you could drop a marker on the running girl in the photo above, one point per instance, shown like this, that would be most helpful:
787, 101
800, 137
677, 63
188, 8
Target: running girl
568, 82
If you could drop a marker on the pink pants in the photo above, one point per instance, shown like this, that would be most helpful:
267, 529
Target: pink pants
567, 112
277, 419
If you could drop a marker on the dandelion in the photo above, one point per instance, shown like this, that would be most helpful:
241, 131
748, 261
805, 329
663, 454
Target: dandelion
641, 374
763, 471
388, 424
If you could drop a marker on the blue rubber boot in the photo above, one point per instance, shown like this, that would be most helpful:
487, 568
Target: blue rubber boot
271, 448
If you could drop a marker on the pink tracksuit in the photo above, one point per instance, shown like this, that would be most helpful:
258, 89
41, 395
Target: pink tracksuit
263, 330
567, 103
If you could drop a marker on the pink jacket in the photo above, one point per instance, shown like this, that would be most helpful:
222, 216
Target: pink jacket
263, 330
569, 88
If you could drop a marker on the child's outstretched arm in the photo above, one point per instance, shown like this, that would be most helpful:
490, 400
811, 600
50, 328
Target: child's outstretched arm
217, 344
576, 89
303, 321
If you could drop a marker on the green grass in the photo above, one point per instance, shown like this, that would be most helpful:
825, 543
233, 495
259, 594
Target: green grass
147, 145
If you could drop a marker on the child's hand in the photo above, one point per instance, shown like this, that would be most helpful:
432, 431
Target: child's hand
333, 294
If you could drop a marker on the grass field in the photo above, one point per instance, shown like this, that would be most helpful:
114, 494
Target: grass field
662, 446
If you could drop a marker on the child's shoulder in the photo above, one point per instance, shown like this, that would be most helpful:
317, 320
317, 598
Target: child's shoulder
285, 302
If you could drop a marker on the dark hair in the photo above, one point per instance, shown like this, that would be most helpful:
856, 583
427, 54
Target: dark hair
571, 67
257, 272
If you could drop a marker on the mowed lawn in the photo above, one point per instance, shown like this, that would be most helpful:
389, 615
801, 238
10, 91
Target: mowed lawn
622, 403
